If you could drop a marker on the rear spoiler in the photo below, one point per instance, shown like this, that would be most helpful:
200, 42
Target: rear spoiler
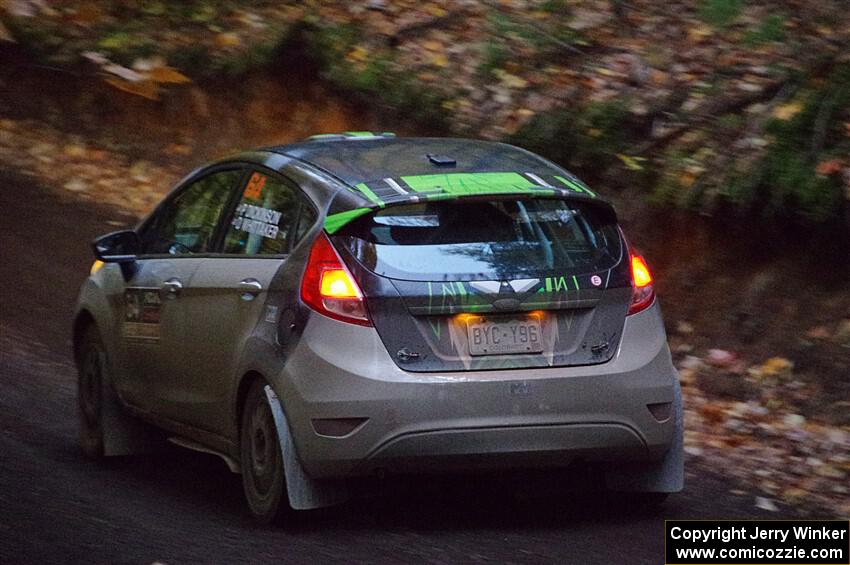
366, 197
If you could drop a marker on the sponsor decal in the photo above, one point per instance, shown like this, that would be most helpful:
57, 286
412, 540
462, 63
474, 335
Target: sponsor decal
257, 220
596, 280
254, 188
142, 315
271, 314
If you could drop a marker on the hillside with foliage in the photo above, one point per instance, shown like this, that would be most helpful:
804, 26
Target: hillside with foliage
723, 107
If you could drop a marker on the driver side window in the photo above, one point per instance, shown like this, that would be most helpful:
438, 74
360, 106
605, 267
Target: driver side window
187, 224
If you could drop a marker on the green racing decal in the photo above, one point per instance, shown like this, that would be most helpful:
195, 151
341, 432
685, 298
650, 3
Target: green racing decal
451, 186
369, 194
335, 222
463, 184
576, 185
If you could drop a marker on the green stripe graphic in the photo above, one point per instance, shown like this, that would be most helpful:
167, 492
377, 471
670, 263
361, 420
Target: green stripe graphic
369, 194
575, 186
461, 184
335, 222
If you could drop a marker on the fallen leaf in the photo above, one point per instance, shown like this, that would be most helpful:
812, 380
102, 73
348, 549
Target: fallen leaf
74, 150
513, 81
632, 163
794, 495
830, 472
145, 88
436, 10
357, 54
775, 366
766, 504
720, 357
168, 75
608, 72
687, 178
787, 111
439, 60
830, 167
698, 33
228, 39
76, 185
712, 413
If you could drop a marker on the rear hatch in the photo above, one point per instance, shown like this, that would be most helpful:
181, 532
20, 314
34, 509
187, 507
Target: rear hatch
492, 282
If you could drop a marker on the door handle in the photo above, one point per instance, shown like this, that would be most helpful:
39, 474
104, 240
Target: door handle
172, 288
250, 288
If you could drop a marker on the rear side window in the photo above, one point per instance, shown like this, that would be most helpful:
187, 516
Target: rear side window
484, 240
188, 221
266, 218
306, 220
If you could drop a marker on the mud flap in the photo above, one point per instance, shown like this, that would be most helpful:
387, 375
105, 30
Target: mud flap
122, 433
667, 475
304, 492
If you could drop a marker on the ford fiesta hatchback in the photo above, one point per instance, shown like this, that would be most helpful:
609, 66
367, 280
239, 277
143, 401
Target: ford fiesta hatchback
358, 304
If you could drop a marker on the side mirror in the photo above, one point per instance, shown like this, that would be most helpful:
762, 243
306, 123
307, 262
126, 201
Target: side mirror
117, 247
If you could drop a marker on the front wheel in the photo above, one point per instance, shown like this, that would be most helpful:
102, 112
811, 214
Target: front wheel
262, 462
91, 367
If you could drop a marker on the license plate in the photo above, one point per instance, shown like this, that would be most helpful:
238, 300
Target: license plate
501, 337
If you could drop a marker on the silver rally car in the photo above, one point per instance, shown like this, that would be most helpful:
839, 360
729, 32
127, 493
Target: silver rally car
358, 304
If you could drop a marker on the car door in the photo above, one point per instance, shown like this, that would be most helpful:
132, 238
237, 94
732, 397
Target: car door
227, 296
175, 242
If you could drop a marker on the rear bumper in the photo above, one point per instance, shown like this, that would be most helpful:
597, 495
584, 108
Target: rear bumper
507, 447
473, 420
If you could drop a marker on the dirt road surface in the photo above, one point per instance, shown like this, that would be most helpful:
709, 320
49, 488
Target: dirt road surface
184, 507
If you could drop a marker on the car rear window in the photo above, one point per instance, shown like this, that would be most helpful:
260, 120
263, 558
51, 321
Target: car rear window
484, 240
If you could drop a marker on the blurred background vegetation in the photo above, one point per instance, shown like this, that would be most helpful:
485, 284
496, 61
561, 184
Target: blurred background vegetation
720, 107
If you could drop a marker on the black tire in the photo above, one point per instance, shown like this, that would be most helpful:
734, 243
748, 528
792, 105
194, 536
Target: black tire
262, 462
91, 374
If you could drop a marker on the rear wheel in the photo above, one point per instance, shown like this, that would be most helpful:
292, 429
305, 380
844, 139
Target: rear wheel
262, 462
91, 367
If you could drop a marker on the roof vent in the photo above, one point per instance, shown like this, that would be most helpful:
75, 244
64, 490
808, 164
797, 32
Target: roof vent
351, 135
442, 160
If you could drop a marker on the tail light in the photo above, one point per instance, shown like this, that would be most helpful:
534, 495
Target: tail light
642, 292
328, 288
